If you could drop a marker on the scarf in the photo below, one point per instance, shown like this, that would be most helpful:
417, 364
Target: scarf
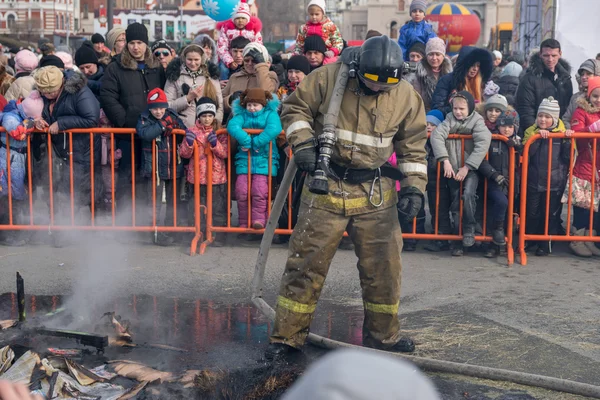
492, 126
292, 87
193, 74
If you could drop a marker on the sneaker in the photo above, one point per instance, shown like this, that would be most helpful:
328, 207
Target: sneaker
457, 252
468, 236
491, 252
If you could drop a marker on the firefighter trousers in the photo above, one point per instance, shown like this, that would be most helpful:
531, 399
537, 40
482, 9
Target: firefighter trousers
378, 242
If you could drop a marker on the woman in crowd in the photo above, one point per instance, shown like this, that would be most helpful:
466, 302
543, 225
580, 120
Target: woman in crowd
209, 46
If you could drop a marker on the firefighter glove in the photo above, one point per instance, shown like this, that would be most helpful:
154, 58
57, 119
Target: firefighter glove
411, 201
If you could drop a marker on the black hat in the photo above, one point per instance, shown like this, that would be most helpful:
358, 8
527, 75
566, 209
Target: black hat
85, 55
136, 31
206, 105
161, 44
469, 99
53, 60
314, 43
299, 63
14, 50
418, 47
97, 38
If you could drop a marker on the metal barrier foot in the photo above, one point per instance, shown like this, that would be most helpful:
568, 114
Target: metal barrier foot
194, 245
203, 246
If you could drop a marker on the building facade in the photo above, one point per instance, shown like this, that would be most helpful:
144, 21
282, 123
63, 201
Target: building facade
30, 20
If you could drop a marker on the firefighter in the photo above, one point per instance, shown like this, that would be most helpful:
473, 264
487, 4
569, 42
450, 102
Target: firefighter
379, 114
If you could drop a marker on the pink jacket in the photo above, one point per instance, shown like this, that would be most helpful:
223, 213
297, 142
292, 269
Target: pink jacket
228, 31
392, 160
220, 152
327, 30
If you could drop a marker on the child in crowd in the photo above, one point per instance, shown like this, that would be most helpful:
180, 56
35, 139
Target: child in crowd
442, 210
493, 108
417, 29
497, 170
255, 109
586, 118
463, 120
203, 133
242, 24
157, 123
547, 122
320, 25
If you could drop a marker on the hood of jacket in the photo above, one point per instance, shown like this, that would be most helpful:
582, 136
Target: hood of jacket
467, 57
74, 82
126, 60
254, 25
176, 68
537, 67
204, 37
424, 69
272, 105
98, 75
586, 106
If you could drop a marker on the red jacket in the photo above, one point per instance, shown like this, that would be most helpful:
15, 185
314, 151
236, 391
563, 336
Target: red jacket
584, 116
220, 153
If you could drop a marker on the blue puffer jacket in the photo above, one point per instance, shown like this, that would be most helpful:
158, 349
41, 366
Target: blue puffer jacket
266, 119
413, 32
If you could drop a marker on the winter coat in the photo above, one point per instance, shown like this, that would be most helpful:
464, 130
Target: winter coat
539, 83
573, 105
240, 81
508, 88
148, 129
475, 150
453, 82
228, 31
326, 30
537, 178
214, 58
369, 130
220, 153
177, 76
258, 145
125, 88
413, 32
12, 118
94, 81
20, 88
75, 108
584, 116
498, 162
424, 81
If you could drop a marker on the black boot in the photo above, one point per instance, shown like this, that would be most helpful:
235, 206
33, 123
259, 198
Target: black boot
498, 233
163, 239
492, 251
404, 345
278, 350
220, 239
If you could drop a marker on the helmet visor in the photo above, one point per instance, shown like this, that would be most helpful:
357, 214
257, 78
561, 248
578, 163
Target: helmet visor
374, 83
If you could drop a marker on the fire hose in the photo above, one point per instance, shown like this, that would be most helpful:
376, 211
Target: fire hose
496, 374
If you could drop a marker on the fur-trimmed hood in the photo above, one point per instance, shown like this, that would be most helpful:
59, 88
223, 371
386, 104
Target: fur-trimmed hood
272, 105
176, 68
424, 69
126, 60
254, 25
467, 57
74, 82
204, 37
586, 106
537, 67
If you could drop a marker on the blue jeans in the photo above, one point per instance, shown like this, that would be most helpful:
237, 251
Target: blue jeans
469, 196
498, 202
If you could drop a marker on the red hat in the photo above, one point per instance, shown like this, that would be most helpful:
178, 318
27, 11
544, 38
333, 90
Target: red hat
593, 84
242, 11
157, 99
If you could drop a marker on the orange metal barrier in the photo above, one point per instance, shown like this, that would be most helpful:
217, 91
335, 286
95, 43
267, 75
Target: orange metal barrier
546, 236
210, 229
93, 226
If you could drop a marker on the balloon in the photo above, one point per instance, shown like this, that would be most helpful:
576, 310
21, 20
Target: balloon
220, 10
455, 24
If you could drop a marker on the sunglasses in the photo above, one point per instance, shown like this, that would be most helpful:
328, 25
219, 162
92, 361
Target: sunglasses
164, 53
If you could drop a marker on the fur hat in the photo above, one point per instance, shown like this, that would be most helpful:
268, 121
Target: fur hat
508, 118
418, 5
242, 11
25, 61
496, 101
112, 36
469, 99
85, 55
511, 69
136, 31
157, 99
551, 107
97, 38
314, 43
435, 45
435, 117
255, 95
206, 105
33, 105
299, 63
48, 79
593, 83
319, 3
257, 46
66, 59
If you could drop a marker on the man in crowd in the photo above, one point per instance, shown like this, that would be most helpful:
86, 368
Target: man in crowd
98, 43
163, 52
237, 53
314, 51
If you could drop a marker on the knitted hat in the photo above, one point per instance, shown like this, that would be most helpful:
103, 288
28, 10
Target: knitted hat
161, 44
242, 11
418, 47
592, 66
435, 117
257, 46
314, 43
52, 60
97, 38
593, 83
512, 69
435, 45
85, 55
418, 5
66, 59
136, 31
256, 95
551, 107
25, 61
206, 105
318, 3
299, 63
112, 36
468, 97
33, 105
508, 118
496, 101
497, 55
157, 99
48, 79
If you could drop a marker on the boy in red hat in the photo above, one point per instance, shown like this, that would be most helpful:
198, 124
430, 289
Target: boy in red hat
155, 127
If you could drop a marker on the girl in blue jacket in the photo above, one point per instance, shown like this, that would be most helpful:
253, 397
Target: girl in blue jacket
255, 109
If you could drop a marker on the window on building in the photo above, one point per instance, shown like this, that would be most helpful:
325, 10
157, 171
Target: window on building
359, 32
85, 11
62, 22
11, 21
401, 5
56, 24
394, 30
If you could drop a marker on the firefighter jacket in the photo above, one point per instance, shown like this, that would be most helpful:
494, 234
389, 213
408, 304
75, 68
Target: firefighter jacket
369, 129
